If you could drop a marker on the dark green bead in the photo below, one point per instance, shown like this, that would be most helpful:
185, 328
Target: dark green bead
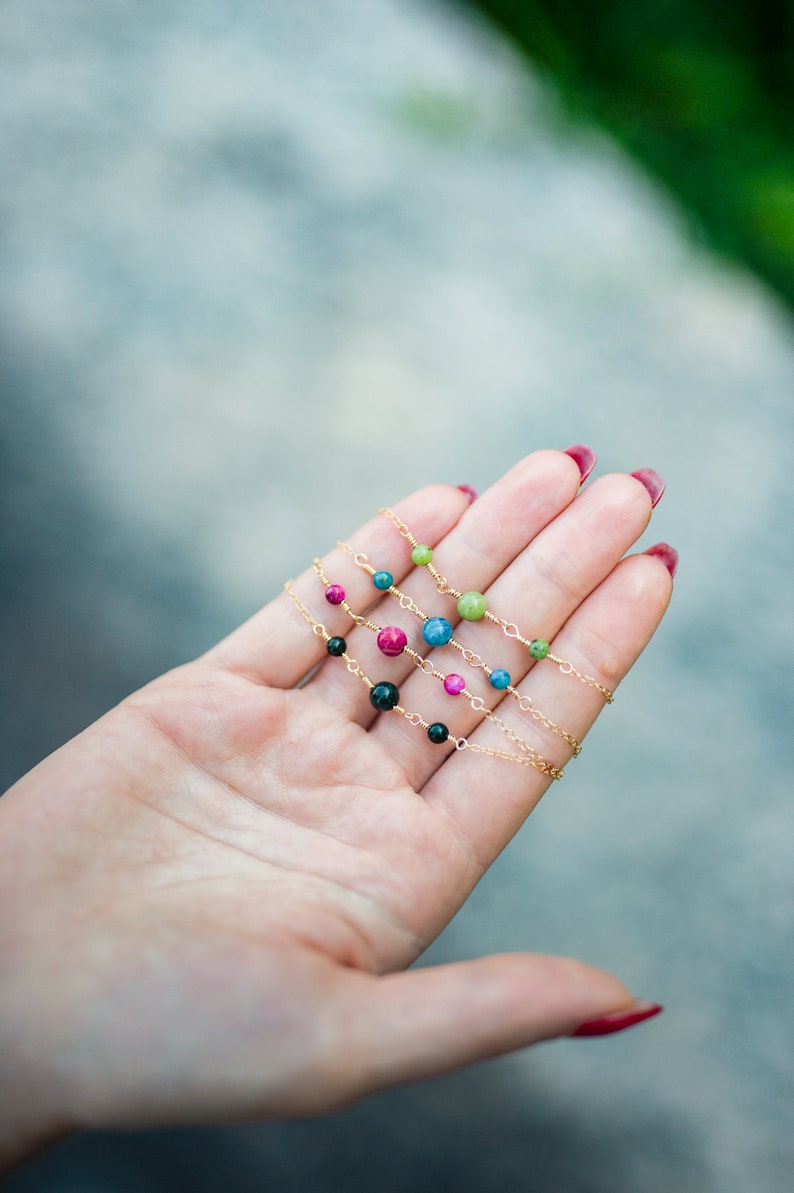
384, 696
336, 646
538, 649
438, 733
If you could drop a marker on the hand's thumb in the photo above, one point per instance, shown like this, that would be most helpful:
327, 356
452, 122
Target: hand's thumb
426, 1022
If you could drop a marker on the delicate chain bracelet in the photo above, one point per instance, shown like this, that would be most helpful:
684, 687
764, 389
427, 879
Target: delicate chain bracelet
442, 633
473, 606
384, 696
393, 641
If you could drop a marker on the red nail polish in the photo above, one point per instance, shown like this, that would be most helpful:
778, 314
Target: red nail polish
667, 554
585, 457
605, 1025
470, 492
654, 483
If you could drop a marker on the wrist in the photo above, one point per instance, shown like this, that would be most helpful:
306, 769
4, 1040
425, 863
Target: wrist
26, 1125
33, 1104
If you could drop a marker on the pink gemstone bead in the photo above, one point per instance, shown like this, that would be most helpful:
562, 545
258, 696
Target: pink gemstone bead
454, 684
392, 641
334, 594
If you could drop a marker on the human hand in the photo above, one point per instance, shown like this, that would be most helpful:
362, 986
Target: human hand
211, 896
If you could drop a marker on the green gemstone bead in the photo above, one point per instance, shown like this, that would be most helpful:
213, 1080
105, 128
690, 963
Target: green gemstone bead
538, 649
472, 606
421, 555
438, 733
384, 696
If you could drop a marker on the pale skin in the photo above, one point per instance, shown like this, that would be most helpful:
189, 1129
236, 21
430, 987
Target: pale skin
212, 896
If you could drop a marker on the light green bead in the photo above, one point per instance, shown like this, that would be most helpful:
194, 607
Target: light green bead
472, 606
421, 554
538, 649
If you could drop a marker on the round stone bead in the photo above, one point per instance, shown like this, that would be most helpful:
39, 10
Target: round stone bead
437, 631
438, 733
472, 606
454, 684
538, 649
392, 641
334, 594
384, 696
421, 554
500, 679
383, 580
336, 646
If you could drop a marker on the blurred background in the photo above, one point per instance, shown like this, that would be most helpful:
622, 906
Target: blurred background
240, 243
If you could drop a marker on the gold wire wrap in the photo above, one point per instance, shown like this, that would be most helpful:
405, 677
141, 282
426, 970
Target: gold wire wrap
529, 758
509, 628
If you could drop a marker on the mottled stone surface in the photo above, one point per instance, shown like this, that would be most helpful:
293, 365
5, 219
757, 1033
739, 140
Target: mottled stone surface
236, 243
392, 641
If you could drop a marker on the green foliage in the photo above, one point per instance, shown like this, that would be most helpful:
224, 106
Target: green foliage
700, 91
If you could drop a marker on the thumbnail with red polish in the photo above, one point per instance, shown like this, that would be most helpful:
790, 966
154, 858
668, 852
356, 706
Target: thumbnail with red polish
606, 1025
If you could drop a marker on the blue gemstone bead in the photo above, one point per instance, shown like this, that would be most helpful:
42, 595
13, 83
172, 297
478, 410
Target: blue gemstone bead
500, 679
383, 580
437, 631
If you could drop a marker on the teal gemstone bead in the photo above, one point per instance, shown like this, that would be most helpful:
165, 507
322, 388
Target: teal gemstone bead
383, 580
538, 649
384, 696
336, 646
438, 733
421, 554
437, 631
472, 606
500, 679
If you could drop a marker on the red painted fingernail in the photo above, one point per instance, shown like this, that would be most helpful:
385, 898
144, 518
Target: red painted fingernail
605, 1025
470, 492
667, 554
654, 483
585, 457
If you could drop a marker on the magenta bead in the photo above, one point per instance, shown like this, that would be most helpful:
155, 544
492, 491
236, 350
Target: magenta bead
454, 684
392, 641
334, 594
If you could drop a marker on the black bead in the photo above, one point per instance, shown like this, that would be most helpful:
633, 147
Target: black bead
438, 733
336, 646
384, 696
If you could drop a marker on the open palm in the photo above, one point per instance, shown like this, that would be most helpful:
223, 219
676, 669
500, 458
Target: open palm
212, 895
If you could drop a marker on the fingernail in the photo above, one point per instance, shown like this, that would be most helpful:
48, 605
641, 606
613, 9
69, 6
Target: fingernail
585, 457
667, 554
470, 492
605, 1025
654, 483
